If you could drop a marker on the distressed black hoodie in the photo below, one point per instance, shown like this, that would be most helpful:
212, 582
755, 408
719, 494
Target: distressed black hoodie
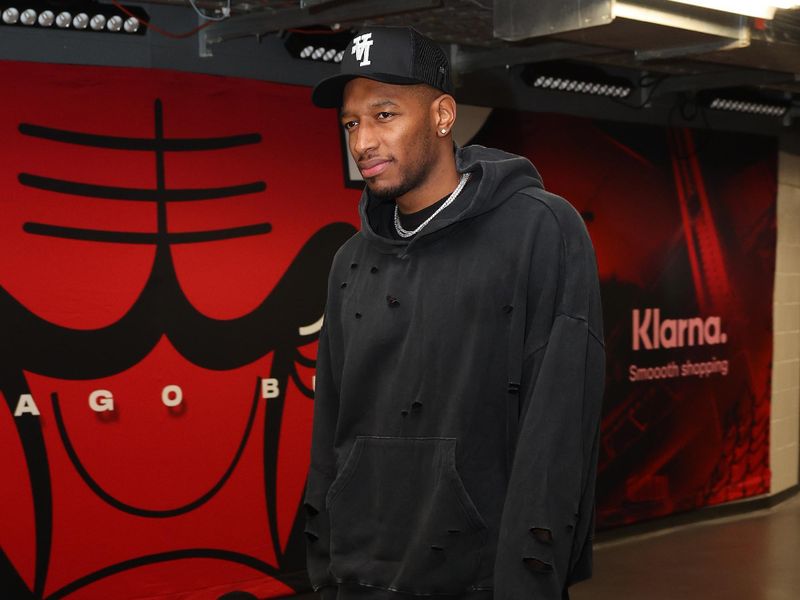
458, 395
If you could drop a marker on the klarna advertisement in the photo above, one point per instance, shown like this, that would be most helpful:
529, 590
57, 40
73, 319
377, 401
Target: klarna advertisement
166, 239
683, 223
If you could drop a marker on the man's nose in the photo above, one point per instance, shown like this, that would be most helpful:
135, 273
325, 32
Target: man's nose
363, 140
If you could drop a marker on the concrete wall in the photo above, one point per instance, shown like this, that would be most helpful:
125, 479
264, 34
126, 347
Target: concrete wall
785, 418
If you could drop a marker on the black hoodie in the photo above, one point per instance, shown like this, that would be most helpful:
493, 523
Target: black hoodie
458, 395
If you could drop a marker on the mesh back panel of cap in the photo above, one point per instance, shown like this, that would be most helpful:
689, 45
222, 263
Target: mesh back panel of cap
430, 63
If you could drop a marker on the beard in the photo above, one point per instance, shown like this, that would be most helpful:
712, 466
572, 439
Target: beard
412, 176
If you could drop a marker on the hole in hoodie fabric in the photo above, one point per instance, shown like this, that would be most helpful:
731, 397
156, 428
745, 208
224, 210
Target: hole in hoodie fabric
310, 510
353, 265
539, 566
543, 535
404, 412
344, 285
416, 405
373, 270
437, 548
312, 537
392, 301
508, 308
358, 315
453, 531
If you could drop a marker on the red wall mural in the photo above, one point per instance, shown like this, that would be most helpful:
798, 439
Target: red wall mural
683, 223
166, 241
165, 244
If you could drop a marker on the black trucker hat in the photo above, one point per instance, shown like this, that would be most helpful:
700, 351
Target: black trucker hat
399, 55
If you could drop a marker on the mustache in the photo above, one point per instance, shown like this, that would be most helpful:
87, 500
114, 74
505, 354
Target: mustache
372, 156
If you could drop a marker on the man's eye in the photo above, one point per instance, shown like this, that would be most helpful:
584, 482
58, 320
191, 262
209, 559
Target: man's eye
349, 125
385, 115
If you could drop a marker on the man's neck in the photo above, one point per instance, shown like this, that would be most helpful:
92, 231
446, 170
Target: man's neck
441, 183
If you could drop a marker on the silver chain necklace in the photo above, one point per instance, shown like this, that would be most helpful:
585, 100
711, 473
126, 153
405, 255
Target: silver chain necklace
404, 233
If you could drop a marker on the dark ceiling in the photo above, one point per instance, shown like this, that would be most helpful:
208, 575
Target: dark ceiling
688, 50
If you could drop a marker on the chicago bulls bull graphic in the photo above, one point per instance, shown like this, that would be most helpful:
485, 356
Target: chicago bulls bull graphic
159, 387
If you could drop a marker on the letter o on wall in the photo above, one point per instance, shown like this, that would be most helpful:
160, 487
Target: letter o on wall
172, 395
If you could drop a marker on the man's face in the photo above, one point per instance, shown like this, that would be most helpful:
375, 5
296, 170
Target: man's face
391, 132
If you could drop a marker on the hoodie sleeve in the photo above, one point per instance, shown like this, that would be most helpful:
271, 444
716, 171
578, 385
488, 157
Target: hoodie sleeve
548, 516
322, 470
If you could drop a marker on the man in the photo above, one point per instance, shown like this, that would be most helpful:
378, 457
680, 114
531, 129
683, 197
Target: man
461, 363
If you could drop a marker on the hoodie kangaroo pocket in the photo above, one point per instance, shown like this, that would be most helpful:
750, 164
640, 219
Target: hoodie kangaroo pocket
401, 518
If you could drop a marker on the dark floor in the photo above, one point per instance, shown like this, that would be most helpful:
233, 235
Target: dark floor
752, 556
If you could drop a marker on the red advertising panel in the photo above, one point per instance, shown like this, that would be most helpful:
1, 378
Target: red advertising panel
683, 222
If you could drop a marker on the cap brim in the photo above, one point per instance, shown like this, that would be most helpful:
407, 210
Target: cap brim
329, 92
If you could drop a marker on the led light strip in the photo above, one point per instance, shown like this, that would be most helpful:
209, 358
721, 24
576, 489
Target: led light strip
321, 53
756, 108
66, 20
565, 84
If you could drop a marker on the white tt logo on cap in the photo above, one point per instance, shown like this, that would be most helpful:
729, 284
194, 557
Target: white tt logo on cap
361, 46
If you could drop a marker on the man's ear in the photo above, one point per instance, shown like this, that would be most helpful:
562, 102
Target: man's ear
444, 110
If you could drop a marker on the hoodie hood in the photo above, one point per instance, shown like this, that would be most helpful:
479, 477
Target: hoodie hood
496, 176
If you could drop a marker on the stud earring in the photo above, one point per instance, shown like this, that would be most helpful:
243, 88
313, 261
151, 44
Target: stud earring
444, 131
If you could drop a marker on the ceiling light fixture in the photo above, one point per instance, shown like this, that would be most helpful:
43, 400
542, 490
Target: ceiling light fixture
577, 79
114, 23
10, 16
28, 17
85, 16
81, 21
46, 18
564, 84
763, 9
745, 106
131, 25
751, 101
323, 45
97, 22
